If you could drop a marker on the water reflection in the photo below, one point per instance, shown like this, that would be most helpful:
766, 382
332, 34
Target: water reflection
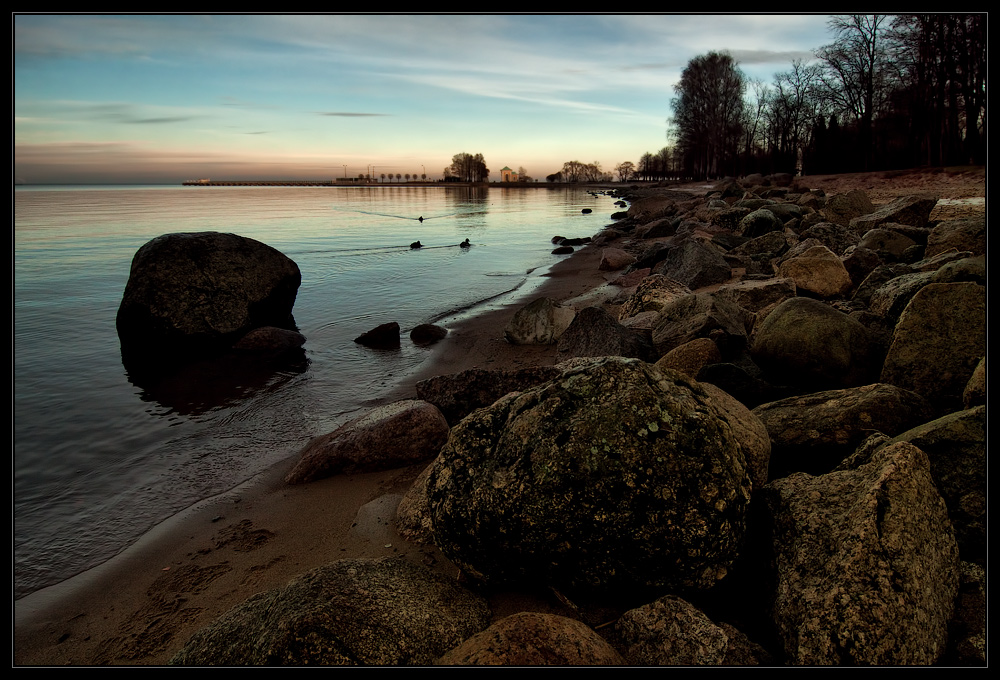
223, 381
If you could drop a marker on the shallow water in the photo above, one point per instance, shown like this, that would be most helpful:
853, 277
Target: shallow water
99, 460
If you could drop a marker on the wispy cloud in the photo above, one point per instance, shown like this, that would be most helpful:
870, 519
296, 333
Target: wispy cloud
349, 114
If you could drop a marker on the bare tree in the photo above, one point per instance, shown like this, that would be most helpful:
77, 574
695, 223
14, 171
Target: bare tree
708, 114
857, 73
625, 170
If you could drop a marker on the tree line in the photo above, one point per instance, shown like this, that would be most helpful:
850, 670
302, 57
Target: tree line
890, 91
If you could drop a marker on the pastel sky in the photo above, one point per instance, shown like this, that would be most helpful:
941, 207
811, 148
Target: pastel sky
164, 98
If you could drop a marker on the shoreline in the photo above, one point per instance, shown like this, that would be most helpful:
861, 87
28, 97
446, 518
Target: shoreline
142, 605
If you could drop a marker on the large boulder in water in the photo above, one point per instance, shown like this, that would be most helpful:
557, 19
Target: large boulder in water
614, 476
192, 294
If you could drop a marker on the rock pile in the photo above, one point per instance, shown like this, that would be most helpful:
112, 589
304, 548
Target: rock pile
769, 449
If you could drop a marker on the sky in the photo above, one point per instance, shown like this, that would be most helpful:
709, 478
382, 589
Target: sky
160, 99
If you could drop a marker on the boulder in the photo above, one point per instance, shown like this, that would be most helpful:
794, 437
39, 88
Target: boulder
701, 315
673, 632
534, 639
865, 563
842, 208
955, 445
690, 357
613, 259
561, 485
937, 343
191, 295
459, 394
270, 340
398, 434
539, 323
758, 223
427, 334
963, 235
817, 271
887, 243
383, 336
891, 298
754, 296
595, 333
808, 343
694, 264
836, 237
814, 432
364, 612
975, 389
914, 211
652, 294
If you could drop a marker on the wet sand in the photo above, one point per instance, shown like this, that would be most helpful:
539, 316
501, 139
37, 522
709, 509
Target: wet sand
143, 605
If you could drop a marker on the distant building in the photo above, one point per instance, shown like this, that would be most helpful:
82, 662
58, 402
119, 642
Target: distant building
508, 175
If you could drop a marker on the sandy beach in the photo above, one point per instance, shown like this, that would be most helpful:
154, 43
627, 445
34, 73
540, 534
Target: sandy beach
143, 605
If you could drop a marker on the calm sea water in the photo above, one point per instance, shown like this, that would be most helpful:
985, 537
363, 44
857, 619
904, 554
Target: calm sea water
98, 461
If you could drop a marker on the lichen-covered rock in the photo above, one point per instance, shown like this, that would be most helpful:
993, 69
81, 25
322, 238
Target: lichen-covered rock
672, 632
192, 294
613, 476
534, 639
938, 341
394, 435
866, 564
364, 612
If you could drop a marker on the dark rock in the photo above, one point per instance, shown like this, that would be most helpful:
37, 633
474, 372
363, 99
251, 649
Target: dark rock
562, 250
758, 223
672, 632
955, 445
814, 432
394, 435
427, 334
595, 333
460, 394
937, 343
385, 336
963, 235
270, 340
701, 315
808, 343
191, 295
694, 264
912, 210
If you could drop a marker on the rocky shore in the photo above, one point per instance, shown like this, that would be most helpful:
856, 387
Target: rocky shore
743, 425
